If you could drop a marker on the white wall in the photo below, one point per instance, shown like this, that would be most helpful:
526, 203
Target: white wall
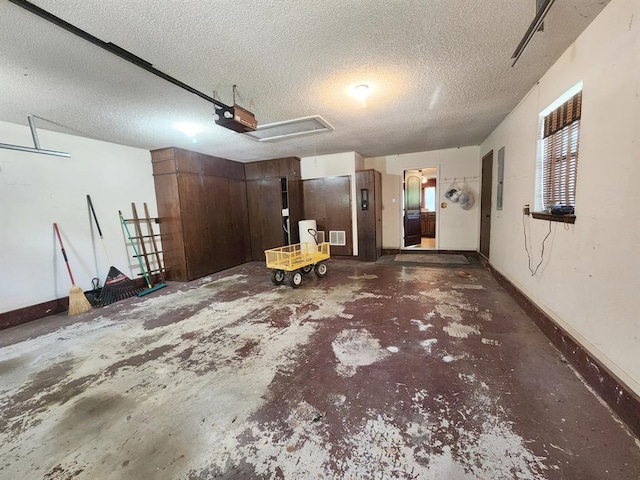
589, 279
37, 190
336, 165
456, 229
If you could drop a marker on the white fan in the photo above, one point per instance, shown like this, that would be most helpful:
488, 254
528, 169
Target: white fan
466, 199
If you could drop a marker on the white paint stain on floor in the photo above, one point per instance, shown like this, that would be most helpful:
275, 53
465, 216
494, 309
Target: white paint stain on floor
381, 447
153, 411
449, 311
459, 330
364, 276
421, 326
354, 349
428, 344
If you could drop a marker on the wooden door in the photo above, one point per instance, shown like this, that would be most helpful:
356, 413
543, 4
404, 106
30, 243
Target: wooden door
264, 201
369, 215
378, 211
412, 191
485, 204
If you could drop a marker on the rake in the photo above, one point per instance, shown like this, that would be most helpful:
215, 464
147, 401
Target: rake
117, 285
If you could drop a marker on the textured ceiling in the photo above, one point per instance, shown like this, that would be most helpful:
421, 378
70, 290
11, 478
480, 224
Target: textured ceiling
439, 70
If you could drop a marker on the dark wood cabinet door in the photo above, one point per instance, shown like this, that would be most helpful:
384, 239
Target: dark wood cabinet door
218, 220
264, 201
195, 225
239, 233
431, 224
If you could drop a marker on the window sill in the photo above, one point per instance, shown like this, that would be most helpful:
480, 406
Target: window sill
554, 218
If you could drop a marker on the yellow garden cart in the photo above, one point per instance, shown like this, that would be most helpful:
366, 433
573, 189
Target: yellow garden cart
298, 260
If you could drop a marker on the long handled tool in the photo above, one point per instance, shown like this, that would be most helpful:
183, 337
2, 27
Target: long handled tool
78, 303
150, 287
117, 285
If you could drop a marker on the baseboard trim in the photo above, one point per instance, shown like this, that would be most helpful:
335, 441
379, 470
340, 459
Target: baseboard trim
45, 309
622, 400
33, 312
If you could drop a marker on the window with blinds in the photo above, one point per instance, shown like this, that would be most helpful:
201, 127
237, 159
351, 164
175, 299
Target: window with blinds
558, 163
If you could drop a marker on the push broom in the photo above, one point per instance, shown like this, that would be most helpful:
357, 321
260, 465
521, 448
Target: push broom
117, 285
150, 288
78, 303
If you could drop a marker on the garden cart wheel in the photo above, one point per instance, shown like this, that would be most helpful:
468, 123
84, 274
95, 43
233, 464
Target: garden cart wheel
295, 279
277, 277
320, 269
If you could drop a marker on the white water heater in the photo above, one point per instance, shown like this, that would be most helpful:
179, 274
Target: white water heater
307, 230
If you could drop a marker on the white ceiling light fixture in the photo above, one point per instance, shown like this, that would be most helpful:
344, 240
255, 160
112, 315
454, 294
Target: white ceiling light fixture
290, 128
189, 129
361, 92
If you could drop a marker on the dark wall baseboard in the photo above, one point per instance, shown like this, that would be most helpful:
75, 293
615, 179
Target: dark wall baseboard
33, 312
52, 307
622, 400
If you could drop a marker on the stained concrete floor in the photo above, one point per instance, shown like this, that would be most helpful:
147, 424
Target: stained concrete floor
377, 371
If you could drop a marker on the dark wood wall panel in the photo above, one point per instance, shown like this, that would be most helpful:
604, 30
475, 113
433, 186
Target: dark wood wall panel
218, 222
296, 204
278, 167
202, 207
369, 220
239, 234
170, 225
264, 202
195, 228
328, 202
265, 182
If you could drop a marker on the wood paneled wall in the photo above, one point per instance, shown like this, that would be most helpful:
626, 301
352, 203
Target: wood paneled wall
369, 220
268, 182
203, 212
328, 202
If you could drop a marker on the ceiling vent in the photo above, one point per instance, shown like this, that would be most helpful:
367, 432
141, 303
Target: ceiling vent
290, 128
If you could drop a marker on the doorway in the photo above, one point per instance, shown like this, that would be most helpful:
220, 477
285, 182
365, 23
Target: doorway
485, 204
420, 215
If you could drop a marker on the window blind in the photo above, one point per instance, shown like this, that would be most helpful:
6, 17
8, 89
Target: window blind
561, 132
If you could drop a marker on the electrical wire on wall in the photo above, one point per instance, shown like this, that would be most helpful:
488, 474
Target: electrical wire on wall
526, 248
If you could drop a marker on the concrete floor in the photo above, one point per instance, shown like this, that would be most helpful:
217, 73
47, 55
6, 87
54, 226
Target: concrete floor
378, 371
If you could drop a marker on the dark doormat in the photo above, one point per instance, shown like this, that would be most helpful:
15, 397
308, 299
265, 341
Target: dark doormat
439, 258
431, 260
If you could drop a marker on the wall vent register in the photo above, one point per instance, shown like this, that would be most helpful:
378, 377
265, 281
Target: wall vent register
337, 238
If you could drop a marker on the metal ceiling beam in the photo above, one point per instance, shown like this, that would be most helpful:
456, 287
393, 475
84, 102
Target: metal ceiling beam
533, 28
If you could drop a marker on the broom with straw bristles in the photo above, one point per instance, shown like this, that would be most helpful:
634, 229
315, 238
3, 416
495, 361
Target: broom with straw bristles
78, 303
